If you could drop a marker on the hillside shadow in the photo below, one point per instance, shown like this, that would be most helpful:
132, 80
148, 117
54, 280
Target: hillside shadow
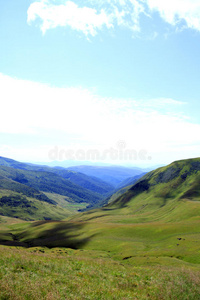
61, 234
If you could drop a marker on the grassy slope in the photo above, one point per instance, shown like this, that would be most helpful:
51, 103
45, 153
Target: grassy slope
41, 273
145, 245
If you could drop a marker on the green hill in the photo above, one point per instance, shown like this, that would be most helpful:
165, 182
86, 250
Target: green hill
168, 193
157, 218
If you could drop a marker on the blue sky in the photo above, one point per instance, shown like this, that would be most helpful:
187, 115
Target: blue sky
106, 77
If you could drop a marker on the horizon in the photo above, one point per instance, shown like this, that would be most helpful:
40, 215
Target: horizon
109, 82
75, 163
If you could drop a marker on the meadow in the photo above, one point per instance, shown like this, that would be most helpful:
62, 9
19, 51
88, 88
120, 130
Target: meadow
99, 259
62, 273
144, 245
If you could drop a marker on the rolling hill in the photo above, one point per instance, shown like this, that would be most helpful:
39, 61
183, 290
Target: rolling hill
157, 219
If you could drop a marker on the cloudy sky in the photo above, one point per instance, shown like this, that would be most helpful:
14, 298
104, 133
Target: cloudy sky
115, 78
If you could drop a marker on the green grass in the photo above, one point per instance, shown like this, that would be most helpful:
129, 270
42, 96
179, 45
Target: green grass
41, 273
144, 245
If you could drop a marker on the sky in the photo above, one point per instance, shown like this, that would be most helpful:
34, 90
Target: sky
100, 80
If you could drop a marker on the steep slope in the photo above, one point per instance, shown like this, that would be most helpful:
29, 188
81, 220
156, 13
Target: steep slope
169, 193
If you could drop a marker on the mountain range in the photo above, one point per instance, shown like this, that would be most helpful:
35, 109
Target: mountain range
59, 189
167, 195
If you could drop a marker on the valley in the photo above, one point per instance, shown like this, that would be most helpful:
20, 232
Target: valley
143, 243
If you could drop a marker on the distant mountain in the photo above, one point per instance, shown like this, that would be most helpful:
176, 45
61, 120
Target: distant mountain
51, 183
90, 183
71, 163
114, 175
34, 192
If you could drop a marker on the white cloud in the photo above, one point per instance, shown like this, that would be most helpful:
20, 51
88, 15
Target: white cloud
78, 119
94, 15
84, 19
87, 19
174, 11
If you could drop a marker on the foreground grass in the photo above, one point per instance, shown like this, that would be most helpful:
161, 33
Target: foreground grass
61, 273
